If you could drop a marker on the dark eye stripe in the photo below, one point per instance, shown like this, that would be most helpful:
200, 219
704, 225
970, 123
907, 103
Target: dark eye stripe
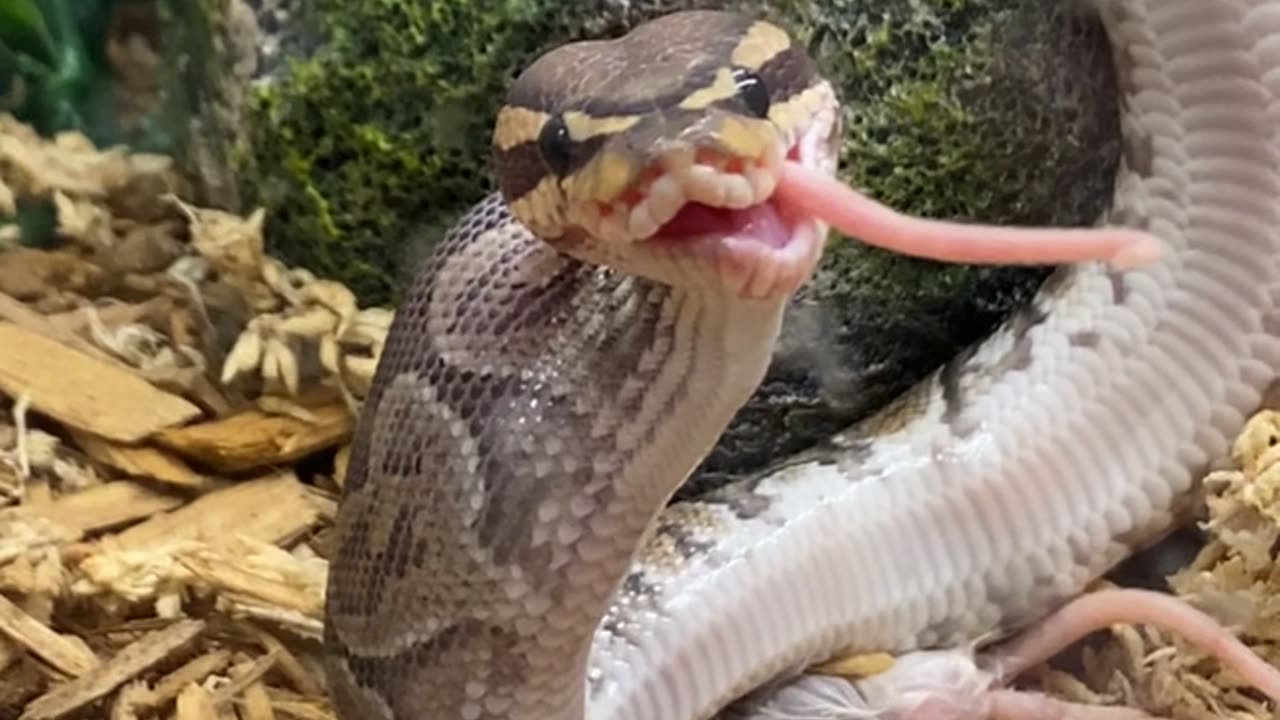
788, 73
522, 166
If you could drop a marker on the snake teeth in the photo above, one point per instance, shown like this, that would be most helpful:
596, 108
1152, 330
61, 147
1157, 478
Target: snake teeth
738, 192
703, 185
641, 223
685, 174
762, 181
677, 160
665, 198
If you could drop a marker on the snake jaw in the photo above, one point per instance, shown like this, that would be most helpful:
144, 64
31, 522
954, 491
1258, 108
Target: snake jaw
678, 178
717, 209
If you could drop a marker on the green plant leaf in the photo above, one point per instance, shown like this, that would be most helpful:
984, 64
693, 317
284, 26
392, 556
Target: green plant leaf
23, 29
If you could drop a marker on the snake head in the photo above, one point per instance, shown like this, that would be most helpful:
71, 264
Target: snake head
658, 153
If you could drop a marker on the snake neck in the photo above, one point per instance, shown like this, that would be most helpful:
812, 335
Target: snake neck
707, 358
518, 385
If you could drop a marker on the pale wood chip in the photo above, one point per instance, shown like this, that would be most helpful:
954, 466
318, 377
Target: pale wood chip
19, 314
36, 578
232, 243
48, 278
9, 652
21, 532
228, 527
220, 574
243, 677
82, 391
38, 491
117, 313
141, 461
294, 707
209, 395
84, 221
195, 670
340, 461
64, 654
302, 711
304, 625
36, 167
1068, 687
256, 704
253, 439
273, 509
103, 506
195, 703
130, 698
8, 202
289, 665
134, 659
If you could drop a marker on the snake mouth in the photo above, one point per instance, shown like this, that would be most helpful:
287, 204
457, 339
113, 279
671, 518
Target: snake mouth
688, 191
685, 193
727, 198
759, 244
765, 222
706, 212
763, 219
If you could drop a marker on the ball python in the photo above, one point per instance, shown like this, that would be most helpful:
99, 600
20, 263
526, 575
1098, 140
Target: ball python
579, 339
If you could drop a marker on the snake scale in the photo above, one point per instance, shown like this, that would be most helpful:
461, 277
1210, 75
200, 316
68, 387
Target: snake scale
581, 337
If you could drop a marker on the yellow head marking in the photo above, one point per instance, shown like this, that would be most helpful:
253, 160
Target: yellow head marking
582, 126
762, 42
745, 138
516, 125
722, 87
604, 178
541, 209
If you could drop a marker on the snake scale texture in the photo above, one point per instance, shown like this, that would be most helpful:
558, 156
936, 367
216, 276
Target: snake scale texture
503, 549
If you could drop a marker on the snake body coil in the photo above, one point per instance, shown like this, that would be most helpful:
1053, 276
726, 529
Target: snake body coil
577, 344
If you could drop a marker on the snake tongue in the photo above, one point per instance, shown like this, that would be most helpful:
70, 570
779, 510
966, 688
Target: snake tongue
762, 223
803, 190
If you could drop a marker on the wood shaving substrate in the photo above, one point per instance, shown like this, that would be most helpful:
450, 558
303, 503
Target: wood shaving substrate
175, 407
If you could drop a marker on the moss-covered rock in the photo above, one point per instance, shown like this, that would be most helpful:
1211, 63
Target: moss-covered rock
368, 147
367, 150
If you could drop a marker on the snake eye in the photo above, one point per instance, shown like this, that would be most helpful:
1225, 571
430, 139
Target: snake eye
752, 92
554, 144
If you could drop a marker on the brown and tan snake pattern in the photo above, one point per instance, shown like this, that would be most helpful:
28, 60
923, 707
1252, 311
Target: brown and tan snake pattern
503, 548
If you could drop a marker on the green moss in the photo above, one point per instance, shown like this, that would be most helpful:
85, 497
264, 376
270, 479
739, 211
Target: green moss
962, 109
381, 136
